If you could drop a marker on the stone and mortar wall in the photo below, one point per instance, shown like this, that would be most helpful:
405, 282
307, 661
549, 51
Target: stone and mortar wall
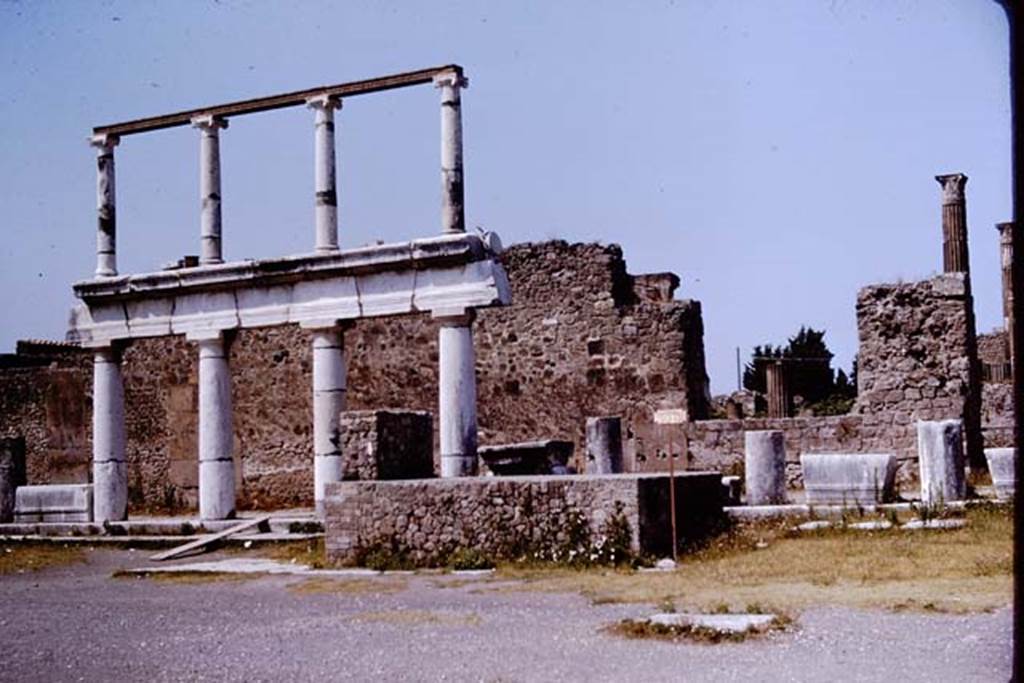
386, 444
582, 338
542, 517
917, 358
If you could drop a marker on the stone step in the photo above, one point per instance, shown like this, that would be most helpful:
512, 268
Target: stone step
179, 527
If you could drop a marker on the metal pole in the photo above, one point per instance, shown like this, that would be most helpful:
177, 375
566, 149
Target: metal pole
739, 375
672, 494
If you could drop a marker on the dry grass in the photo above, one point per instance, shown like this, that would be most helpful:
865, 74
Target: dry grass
309, 553
964, 570
417, 617
348, 586
188, 577
25, 557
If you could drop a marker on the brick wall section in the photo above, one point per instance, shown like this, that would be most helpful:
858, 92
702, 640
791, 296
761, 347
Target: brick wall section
917, 358
386, 444
510, 517
577, 341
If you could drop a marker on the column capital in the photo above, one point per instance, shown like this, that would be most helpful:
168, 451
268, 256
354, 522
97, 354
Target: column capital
451, 79
462, 317
104, 141
206, 123
326, 102
1005, 229
952, 187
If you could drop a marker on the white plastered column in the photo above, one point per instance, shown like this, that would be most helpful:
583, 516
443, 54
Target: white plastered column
457, 395
109, 466
106, 205
329, 390
325, 173
453, 216
216, 429
210, 250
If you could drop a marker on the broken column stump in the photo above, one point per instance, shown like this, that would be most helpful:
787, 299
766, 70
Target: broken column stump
764, 464
940, 455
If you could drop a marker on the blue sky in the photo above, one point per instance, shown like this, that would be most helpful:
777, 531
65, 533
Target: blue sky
778, 156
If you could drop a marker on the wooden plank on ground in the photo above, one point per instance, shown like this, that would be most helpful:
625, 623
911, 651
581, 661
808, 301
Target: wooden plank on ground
211, 538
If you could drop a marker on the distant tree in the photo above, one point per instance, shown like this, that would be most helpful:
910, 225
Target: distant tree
808, 369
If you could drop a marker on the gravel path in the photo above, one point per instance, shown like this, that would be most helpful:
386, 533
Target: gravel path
77, 623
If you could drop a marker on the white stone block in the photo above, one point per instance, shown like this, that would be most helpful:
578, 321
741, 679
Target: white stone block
53, 503
1002, 467
848, 478
940, 454
764, 462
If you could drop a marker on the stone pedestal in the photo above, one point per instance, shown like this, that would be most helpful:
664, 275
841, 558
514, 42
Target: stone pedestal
453, 217
457, 396
12, 474
209, 187
940, 453
329, 391
954, 223
216, 432
764, 464
326, 176
1002, 466
106, 206
604, 445
109, 466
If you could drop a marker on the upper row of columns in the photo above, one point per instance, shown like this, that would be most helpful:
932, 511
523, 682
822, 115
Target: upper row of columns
453, 218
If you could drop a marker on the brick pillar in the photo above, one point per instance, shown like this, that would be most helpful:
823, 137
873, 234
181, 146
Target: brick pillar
954, 223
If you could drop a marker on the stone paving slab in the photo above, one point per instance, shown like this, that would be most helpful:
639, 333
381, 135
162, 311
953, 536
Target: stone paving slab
246, 565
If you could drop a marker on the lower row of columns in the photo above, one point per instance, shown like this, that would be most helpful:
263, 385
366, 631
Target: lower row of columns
456, 417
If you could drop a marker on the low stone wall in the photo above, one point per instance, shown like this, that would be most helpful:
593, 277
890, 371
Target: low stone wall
535, 517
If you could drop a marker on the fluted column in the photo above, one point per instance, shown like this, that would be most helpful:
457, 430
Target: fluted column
1006, 261
954, 223
457, 396
326, 176
778, 392
453, 216
209, 187
109, 467
106, 206
216, 431
329, 391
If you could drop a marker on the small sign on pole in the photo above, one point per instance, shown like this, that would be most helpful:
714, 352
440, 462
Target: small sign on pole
671, 417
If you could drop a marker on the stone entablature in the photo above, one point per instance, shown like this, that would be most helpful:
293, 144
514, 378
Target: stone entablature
442, 274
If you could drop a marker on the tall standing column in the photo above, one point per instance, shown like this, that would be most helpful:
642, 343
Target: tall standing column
778, 392
109, 468
453, 215
457, 396
106, 206
329, 390
954, 223
216, 431
326, 177
209, 187
1006, 260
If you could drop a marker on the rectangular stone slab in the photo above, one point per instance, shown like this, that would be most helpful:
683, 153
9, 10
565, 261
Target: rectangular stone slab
53, 503
848, 478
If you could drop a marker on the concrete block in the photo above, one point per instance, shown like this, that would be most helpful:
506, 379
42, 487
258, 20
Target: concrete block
940, 455
604, 445
1002, 467
848, 478
764, 461
12, 474
53, 503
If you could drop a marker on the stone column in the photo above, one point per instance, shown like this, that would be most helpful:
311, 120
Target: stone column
457, 396
106, 206
954, 223
1006, 260
764, 465
326, 177
778, 392
216, 431
940, 456
109, 466
604, 445
329, 389
453, 217
209, 187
